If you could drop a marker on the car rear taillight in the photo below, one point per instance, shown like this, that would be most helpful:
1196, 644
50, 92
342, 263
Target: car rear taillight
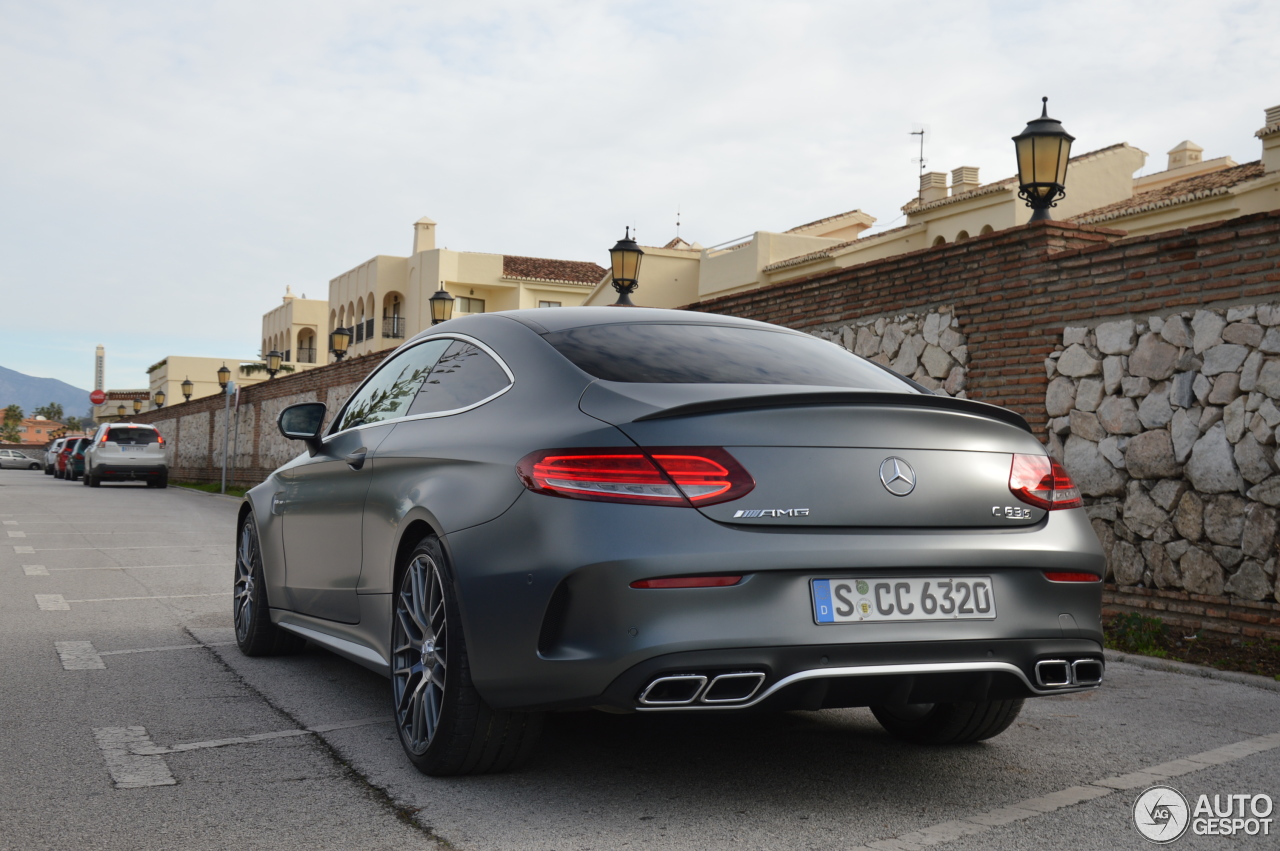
1066, 576
670, 476
1040, 481
79, 457
688, 582
160, 438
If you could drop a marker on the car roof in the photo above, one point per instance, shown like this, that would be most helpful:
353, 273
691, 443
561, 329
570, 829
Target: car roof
545, 320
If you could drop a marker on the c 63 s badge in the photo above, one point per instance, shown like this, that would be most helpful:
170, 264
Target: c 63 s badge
771, 512
1011, 512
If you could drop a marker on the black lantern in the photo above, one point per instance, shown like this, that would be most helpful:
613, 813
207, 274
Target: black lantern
224, 377
159, 398
1043, 149
120, 411
137, 406
339, 339
626, 256
441, 306
187, 389
273, 363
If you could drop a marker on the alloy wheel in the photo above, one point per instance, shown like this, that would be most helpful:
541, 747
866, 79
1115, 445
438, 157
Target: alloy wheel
246, 558
419, 664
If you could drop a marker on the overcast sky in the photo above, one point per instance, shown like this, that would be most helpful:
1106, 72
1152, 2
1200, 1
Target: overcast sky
166, 169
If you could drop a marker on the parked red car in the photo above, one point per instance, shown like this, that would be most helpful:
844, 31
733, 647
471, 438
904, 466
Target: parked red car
67, 460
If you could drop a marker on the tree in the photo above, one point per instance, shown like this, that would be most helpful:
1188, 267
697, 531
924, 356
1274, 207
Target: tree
9, 430
51, 411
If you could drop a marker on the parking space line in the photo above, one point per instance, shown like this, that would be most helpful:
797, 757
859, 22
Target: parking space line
161, 547
83, 656
135, 762
131, 770
24, 550
35, 570
52, 603
11, 523
16, 534
135, 566
948, 831
59, 603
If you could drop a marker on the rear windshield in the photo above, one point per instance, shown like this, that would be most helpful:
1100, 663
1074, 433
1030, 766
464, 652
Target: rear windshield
136, 436
716, 354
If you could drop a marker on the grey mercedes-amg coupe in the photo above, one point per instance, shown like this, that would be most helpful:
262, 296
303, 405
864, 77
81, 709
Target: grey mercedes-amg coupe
664, 511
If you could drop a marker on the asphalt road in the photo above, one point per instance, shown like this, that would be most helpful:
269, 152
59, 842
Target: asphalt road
129, 720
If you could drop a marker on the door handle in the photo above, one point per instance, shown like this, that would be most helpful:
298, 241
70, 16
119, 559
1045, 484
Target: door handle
356, 459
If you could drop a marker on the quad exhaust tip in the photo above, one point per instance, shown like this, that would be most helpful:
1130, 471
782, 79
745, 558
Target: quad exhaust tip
686, 689
1062, 673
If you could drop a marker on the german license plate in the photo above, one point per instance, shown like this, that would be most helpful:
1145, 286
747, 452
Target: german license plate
932, 598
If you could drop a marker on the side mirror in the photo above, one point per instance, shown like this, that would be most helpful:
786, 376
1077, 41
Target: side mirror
303, 422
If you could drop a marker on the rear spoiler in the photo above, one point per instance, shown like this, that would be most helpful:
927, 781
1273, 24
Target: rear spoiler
884, 400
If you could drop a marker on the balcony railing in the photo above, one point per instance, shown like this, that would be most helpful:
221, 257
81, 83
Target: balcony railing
306, 355
393, 327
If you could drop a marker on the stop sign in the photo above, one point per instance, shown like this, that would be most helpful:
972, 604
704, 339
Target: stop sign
97, 397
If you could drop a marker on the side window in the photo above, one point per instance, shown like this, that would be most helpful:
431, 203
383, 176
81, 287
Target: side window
464, 375
388, 393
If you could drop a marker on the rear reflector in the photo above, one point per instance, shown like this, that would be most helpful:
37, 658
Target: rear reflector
1063, 576
669, 476
1040, 481
688, 582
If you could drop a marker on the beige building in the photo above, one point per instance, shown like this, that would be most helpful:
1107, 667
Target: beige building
296, 329
168, 375
1100, 189
385, 299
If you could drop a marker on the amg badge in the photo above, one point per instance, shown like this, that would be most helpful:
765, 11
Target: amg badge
771, 512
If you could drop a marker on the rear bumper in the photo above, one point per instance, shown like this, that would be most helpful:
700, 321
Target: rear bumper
551, 621
108, 472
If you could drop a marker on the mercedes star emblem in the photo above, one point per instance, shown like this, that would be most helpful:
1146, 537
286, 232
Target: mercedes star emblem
897, 476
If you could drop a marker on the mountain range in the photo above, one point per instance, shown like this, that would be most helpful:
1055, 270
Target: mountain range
29, 393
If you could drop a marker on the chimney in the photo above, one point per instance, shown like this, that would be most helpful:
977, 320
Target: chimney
1185, 153
1270, 136
288, 294
933, 186
963, 179
424, 235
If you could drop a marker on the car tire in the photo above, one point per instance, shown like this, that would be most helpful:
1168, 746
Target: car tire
33, 467
256, 635
86, 480
444, 725
48, 471
948, 723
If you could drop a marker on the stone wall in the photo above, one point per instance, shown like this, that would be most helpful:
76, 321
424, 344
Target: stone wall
928, 347
1168, 424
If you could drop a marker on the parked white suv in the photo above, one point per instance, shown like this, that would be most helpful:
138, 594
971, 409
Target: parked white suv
124, 452
51, 456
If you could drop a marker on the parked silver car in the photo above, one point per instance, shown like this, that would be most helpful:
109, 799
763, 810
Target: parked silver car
15, 460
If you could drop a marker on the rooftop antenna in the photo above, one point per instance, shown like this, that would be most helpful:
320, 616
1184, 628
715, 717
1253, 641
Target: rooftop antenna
677, 221
920, 130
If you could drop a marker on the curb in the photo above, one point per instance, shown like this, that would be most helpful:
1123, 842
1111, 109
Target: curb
1173, 667
181, 489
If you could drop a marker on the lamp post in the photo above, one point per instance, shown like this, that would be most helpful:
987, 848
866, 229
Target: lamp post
224, 381
137, 407
120, 411
441, 306
273, 363
339, 339
159, 399
187, 389
1043, 149
625, 257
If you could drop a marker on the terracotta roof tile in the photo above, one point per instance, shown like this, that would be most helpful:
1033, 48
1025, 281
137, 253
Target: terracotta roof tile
808, 225
561, 271
1180, 192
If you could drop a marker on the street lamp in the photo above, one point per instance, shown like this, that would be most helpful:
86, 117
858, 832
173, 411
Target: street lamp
120, 411
187, 389
441, 306
339, 339
159, 398
273, 363
137, 406
224, 377
625, 257
1043, 149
